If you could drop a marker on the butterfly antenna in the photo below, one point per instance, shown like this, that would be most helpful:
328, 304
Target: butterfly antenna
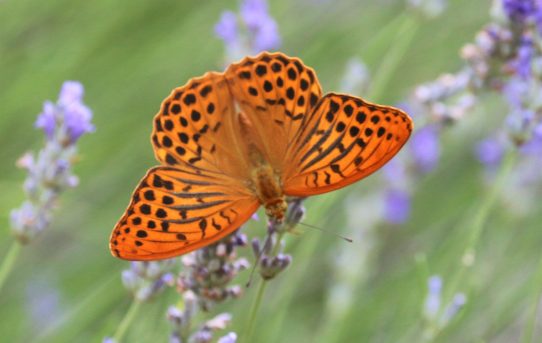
349, 240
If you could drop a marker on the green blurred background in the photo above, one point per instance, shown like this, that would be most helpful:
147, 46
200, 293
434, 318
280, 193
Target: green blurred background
66, 287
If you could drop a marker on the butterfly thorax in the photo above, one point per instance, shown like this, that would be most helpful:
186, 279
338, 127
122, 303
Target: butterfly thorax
267, 187
265, 181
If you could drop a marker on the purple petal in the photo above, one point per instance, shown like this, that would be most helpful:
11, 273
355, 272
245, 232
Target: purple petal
489, 152
397, 206
518, 10
522, 63
253, 13
534, 146
77, 119
72, 91
226, 27
425, 147
433, 300
515, 91
47, 119
267, 36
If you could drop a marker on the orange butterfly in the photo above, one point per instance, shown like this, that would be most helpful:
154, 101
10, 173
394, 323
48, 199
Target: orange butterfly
230, 142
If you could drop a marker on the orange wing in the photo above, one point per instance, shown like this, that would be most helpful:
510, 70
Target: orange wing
174, 211
344, 140
200, 195
275, 92
197, 127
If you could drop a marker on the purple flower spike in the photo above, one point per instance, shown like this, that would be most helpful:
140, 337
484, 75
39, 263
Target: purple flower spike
70, 115
253, 13
518, 10
49, 171
433, 299
515, 91
263, 27
77, 119
256, 32
47, 119
490, 152
226, 28
72, 91
522, 64
267, 36
397, 206
425, 147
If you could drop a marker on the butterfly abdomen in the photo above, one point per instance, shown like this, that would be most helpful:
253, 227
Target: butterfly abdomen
268, 188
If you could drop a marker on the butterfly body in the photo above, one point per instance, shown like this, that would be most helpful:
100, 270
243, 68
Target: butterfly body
268, 189
231, 142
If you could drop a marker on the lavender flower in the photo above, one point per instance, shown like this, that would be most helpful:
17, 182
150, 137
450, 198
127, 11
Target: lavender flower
490, 152
205, 283
436, 316
259, 33
397, 206
522, 63
231, 337
49, 173
459, 300
147, 279
260, 25
209, 271
425, 148
523, 11
227, 28
433, 299
271, 260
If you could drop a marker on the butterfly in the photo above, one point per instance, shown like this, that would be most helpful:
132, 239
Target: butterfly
231, 142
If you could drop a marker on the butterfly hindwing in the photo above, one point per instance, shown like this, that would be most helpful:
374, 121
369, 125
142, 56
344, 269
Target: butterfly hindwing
345, 140
174, 211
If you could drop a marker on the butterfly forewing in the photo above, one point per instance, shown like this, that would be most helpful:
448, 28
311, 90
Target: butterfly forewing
174, 211
345, 139
195, 128
275, 92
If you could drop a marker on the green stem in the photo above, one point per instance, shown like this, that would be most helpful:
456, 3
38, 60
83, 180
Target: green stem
259, 295
479, 221
530, 324
127, 320
476, 229
384, 33
392, 58
9, 262
254, 310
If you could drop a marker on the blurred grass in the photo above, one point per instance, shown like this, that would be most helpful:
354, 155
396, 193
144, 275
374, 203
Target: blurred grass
129, 55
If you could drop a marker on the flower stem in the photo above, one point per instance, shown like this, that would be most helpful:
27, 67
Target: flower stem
531, 322
254, 310
480, 218
391, 59
127, 320
476, 228
259, 295
9, 262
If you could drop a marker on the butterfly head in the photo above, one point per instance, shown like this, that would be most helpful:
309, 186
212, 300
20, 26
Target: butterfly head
276, 209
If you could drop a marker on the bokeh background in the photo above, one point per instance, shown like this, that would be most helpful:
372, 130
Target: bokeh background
66, 287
